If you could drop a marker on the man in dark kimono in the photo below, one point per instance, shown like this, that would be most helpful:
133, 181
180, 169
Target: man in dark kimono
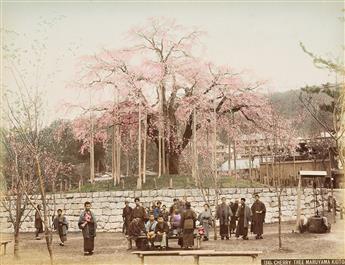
188, 218
165, 213
136, 228
244, 215
233, 207
223, 214
38, 222
87, 223
61, 225
126, 216
259, 212
139, 211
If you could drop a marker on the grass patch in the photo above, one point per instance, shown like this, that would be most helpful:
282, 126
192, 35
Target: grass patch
179, 182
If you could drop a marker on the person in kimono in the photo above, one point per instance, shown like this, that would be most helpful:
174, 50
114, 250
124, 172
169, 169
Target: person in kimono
136, 228
87, 223
224, 213
175, 205
205, 219
161, 231
165, 213
175, 222
38, 222
139, 211
157, 210
61, 226
188, 218
244, 215
259, 211
150, 227
233, 218
126, 216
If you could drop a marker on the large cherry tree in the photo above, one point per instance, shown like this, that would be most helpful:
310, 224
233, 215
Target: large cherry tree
165, 73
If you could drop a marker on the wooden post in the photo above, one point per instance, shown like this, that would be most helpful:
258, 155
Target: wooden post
160, 94
331, 178
113, 155
298, 217
118, 142
139, 182
229, 156
170, 183
92, 152
214, 160
195, 150
144, 156
234, 144
118, 154
113, 144
250, 161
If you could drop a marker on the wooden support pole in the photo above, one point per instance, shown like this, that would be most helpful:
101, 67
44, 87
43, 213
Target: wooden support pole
298, 216
144, 156
139, 182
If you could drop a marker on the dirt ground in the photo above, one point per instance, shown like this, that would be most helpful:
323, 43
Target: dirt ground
110, 248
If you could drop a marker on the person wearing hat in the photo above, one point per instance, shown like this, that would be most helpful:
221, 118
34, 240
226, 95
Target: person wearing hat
126, 216
244, 215
259, 211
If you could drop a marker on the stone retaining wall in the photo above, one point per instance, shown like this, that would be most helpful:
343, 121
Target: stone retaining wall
107, 206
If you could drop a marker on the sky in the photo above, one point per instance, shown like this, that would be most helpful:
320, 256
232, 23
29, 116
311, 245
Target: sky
262, 37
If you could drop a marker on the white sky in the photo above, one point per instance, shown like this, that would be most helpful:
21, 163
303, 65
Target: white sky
263, 37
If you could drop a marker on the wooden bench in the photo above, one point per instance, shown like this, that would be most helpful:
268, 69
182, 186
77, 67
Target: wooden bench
211, 253
4, 243
169, 237
197, 254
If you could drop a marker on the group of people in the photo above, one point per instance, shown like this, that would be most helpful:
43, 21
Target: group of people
237, 217
87, 223
151, 226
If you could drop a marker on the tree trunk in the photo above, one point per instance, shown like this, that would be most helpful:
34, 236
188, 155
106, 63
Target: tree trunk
174, 160
279, 221
16, 242
47, 231
17, 225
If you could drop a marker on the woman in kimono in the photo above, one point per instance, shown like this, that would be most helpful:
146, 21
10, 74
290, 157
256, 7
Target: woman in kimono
87, 223
205, 219
61, 226
38, 222
188, 219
